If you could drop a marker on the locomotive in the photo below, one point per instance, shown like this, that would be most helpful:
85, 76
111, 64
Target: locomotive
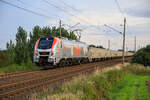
54, 51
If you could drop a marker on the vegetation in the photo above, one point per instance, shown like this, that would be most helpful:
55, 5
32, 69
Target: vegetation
99, 46
142, 56
21, 52
131, 87
17, 68
3, 58
113, 85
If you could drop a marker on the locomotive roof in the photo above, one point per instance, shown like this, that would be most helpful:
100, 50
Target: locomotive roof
63, 38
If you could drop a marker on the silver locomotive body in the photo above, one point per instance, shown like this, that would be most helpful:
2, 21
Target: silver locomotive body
57, 51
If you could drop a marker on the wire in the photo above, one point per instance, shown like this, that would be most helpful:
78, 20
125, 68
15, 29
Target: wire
68, 5
119, 8
68, 13
24, 9
113, 29
39, 14
30, 5
56, 7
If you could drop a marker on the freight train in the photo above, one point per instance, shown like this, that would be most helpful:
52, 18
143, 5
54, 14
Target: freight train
54, 51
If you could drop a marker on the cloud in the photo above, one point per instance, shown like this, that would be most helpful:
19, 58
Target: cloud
97, 34
138, 8
92, 21
139, 12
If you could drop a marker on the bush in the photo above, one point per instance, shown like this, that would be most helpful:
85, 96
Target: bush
142, 56
3, 59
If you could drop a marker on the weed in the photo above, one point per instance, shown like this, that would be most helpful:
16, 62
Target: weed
17, 68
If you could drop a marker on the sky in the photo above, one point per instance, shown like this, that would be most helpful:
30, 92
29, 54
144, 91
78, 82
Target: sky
91, 14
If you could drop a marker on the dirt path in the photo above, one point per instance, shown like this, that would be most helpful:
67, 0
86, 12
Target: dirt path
148, 86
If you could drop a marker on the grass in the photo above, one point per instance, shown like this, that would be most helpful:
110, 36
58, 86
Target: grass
119, 84
131, 87
138, 69
17, 68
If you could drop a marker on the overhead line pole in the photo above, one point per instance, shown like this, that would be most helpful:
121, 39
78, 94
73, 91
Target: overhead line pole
123, 51
108, 44
135, 44
123, 34
60, 28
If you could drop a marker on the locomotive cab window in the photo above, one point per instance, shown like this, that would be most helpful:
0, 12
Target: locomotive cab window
45, 43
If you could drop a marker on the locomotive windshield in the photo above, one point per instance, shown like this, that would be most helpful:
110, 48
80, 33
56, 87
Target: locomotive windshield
45, 43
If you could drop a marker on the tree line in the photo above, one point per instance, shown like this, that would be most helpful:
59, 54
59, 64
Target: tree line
22, 51
99, 46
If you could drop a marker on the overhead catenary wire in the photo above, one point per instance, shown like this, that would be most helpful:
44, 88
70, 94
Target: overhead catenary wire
68, 13
30, 5
24, 9
119, 8
49, 3
40, 14
113, 29
77, 10
121, 11
69, 5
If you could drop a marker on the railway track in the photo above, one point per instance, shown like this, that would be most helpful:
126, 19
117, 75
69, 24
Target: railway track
13, 75
21, 85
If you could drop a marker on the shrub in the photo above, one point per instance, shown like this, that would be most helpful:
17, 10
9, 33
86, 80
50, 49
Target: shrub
142, 56
3, 59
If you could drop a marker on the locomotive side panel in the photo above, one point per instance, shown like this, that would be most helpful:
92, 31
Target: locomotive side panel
70, 51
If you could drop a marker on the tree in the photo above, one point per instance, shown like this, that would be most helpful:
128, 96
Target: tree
21, 49
92, 45
10, 52
72, 36
64, 33
3, 58
55, 31
100, 46
33, 37
142, 56
46, 32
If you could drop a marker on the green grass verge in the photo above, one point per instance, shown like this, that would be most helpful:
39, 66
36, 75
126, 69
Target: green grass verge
131, 87
17, 68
